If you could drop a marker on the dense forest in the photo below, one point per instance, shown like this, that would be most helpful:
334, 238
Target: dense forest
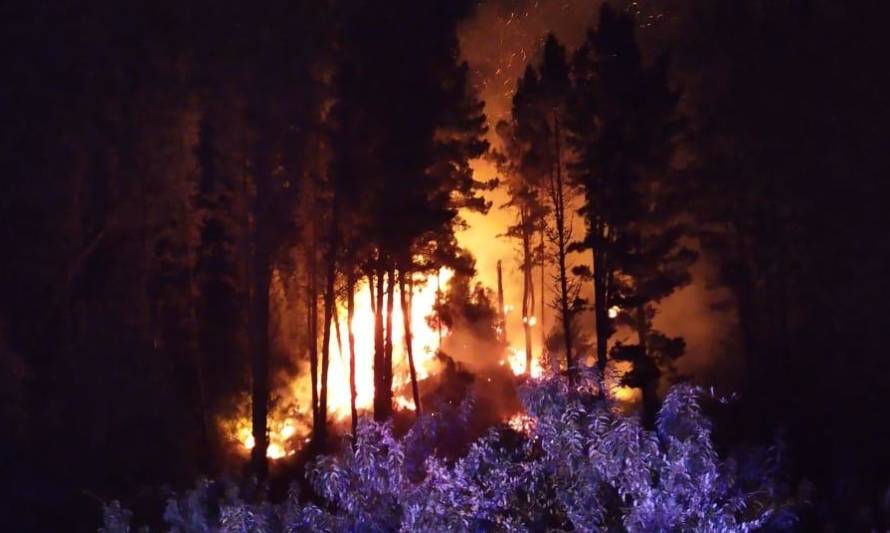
232, 252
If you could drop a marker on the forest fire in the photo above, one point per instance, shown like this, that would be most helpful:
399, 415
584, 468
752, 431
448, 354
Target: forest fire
522, 423
517, 361
287, 432
281, 436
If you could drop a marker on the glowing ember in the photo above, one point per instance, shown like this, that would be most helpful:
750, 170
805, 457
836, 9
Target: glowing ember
282, 434
403, 402
618, 392
516, 360
522, 423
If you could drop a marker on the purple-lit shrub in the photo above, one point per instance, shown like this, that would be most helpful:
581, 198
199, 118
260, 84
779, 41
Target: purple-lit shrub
581, 467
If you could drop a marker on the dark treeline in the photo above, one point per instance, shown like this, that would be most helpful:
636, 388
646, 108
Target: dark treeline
791, 176
190, 191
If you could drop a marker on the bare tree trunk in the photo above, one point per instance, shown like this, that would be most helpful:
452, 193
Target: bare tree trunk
502, 310
438, 304
528, 291
557, 197
371, 292
380, 412
260, 366
388, 348
543, 302
650, 386
312, 323
406, 319
200, 373
350, 313
600, 308
330, 297
259, 341
321, 420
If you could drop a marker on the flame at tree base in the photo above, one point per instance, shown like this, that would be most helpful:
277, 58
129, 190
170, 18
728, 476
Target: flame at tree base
290, 427
289, 432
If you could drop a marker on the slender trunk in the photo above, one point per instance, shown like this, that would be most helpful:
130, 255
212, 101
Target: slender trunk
337, 333
650, 386
601, 311
406, 319
528, 291
558, 198
380, 412
321, 420
543, 304
371, 292
650, 403
260, 366
329, 310
438, 304
502, 310
312, 325
388, 347
642, 329
350, 313
259, 341
194, 346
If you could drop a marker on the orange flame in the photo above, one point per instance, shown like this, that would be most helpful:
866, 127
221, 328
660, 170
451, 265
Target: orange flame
286, 434
517, 362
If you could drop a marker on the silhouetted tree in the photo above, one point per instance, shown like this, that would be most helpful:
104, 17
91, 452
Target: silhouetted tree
623, 131
539, 108
422, 123
530, 212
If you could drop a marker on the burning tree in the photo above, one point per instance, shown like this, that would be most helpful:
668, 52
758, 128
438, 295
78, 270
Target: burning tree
407, 133
537, 133
523, 189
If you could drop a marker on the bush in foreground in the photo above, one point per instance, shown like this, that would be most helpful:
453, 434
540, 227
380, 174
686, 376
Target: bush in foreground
577, 465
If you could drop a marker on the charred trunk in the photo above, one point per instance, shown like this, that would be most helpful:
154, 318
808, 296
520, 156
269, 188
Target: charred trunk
438, 307
321, 419
329, 310
350, 313
650, 403
558, 198
541, 260
312, 326
600, 308
380, 412
502, 310
406, 318
388, 347
259, 343
528, 293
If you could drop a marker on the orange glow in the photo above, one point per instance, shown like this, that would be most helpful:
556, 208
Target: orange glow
286, 434
516, 360
618, 392
521, 423
281, 434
